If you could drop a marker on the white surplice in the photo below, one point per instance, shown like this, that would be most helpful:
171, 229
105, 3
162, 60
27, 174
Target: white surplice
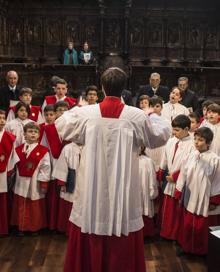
69, 158
149, 186
170, 111
200, 179
16, 127
185, 147
107, 197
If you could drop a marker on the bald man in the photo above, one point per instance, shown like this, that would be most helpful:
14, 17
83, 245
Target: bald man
9, 94
154, 88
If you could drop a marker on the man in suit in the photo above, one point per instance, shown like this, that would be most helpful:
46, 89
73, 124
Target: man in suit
10, 92
189, 98
154, 88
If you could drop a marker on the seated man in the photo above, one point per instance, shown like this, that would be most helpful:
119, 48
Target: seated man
155, 89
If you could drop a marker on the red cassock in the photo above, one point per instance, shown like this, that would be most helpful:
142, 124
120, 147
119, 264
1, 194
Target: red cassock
6, 146
33, 173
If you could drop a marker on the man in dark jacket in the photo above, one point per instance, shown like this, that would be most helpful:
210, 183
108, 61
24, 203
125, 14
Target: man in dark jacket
154, 88
189, 98
9, 93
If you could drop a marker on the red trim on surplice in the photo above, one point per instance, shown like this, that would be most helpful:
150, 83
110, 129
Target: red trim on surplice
27, 165
111, 107
52, 100
34, 112
6, 146
53, 140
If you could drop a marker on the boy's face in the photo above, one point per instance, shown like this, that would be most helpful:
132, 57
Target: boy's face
50, 117
144, 104
26, 98
194, 125
157, 109
22, 113
2, 121
200, 144
60, 90
60, 111
213, 117
180, 132
175, 96
32, 135
92, 97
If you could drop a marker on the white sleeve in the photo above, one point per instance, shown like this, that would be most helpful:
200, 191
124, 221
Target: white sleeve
72, 127
156, 131
44, 169
44, 105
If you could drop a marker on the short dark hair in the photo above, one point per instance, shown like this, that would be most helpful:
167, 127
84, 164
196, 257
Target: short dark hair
156, 100
206, 133
181, 121
25, 90
206, 103
61, 104
214, 108
20, 105
195, 116
60, 81
91, 88
49, 107
31, 125
113, 81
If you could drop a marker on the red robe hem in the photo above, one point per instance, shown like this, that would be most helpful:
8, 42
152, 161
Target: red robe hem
27, 214
149, 227
90, 252
193, 234
63, 223
4, 214
170, 218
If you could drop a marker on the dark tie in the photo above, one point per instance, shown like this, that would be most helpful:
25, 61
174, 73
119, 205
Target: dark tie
175, 149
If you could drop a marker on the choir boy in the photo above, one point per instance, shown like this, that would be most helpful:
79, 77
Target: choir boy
51, 139
173, 107
65, 171
198, 187
15, 126
147, 175
143, 103
25, 96
32, 177
205, 105
60, 89
213, 122
177, 149
6, 148
195, 122
91, 95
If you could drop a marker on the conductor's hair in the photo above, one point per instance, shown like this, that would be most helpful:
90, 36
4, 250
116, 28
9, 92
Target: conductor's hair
113, 81
206, 133
181, 121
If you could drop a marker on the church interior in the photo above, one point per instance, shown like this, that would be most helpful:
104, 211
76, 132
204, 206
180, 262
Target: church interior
169, 37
